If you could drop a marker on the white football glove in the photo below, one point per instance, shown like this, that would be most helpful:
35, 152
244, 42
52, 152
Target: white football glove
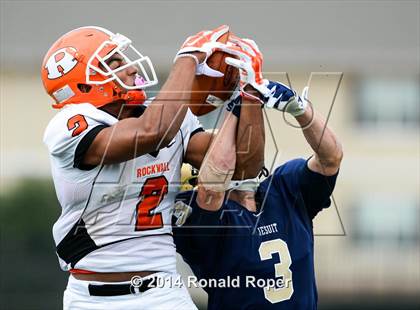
204, 42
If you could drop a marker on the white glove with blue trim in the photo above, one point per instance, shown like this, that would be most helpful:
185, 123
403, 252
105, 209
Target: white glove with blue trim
283, 98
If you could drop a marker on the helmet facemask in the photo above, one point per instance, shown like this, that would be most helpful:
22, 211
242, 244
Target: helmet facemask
121, 45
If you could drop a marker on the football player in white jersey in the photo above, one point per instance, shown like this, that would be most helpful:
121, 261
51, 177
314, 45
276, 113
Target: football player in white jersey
116, 165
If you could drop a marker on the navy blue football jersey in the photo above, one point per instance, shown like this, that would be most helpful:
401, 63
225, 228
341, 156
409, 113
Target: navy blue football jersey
263, 259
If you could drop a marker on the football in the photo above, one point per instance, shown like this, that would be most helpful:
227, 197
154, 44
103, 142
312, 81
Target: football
208, 93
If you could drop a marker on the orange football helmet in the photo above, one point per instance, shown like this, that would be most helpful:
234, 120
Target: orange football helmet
74, 69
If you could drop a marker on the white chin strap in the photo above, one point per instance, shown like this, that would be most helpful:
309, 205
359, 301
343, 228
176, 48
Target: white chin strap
248, 185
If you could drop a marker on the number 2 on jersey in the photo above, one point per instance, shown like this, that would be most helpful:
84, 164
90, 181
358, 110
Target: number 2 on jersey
151, 194
78, 124
282, 269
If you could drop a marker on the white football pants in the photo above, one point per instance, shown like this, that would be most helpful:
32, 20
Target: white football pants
170, 295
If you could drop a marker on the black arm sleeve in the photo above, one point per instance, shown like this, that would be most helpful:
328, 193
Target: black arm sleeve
84, 145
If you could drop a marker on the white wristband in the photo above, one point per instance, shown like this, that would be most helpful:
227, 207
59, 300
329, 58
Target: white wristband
187, 55
247, 185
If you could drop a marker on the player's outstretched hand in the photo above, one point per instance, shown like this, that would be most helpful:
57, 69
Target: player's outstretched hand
249, 63
203, 42
283, 98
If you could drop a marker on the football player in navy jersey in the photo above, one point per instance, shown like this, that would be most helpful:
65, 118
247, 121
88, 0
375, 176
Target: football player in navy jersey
253, 242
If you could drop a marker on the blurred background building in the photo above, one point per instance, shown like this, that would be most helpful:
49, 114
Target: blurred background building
367, 243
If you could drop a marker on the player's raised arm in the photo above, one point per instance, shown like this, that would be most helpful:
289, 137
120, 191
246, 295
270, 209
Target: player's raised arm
153, 130
325, 144
328, 151
162, 119
218, 166
250, 140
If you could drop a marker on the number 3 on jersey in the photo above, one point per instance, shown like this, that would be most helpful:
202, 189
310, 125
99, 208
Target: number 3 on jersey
151, 194
282, 269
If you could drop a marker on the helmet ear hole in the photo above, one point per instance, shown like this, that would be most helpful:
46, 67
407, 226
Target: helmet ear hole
84, 88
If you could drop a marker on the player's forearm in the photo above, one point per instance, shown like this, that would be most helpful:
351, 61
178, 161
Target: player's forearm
325, 144
218, 166
197, 148
250, 141
165, 114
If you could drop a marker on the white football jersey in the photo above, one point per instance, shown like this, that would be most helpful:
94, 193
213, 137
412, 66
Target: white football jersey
117, 217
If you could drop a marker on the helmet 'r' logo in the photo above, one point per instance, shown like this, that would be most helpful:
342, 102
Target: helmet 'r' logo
60, 63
